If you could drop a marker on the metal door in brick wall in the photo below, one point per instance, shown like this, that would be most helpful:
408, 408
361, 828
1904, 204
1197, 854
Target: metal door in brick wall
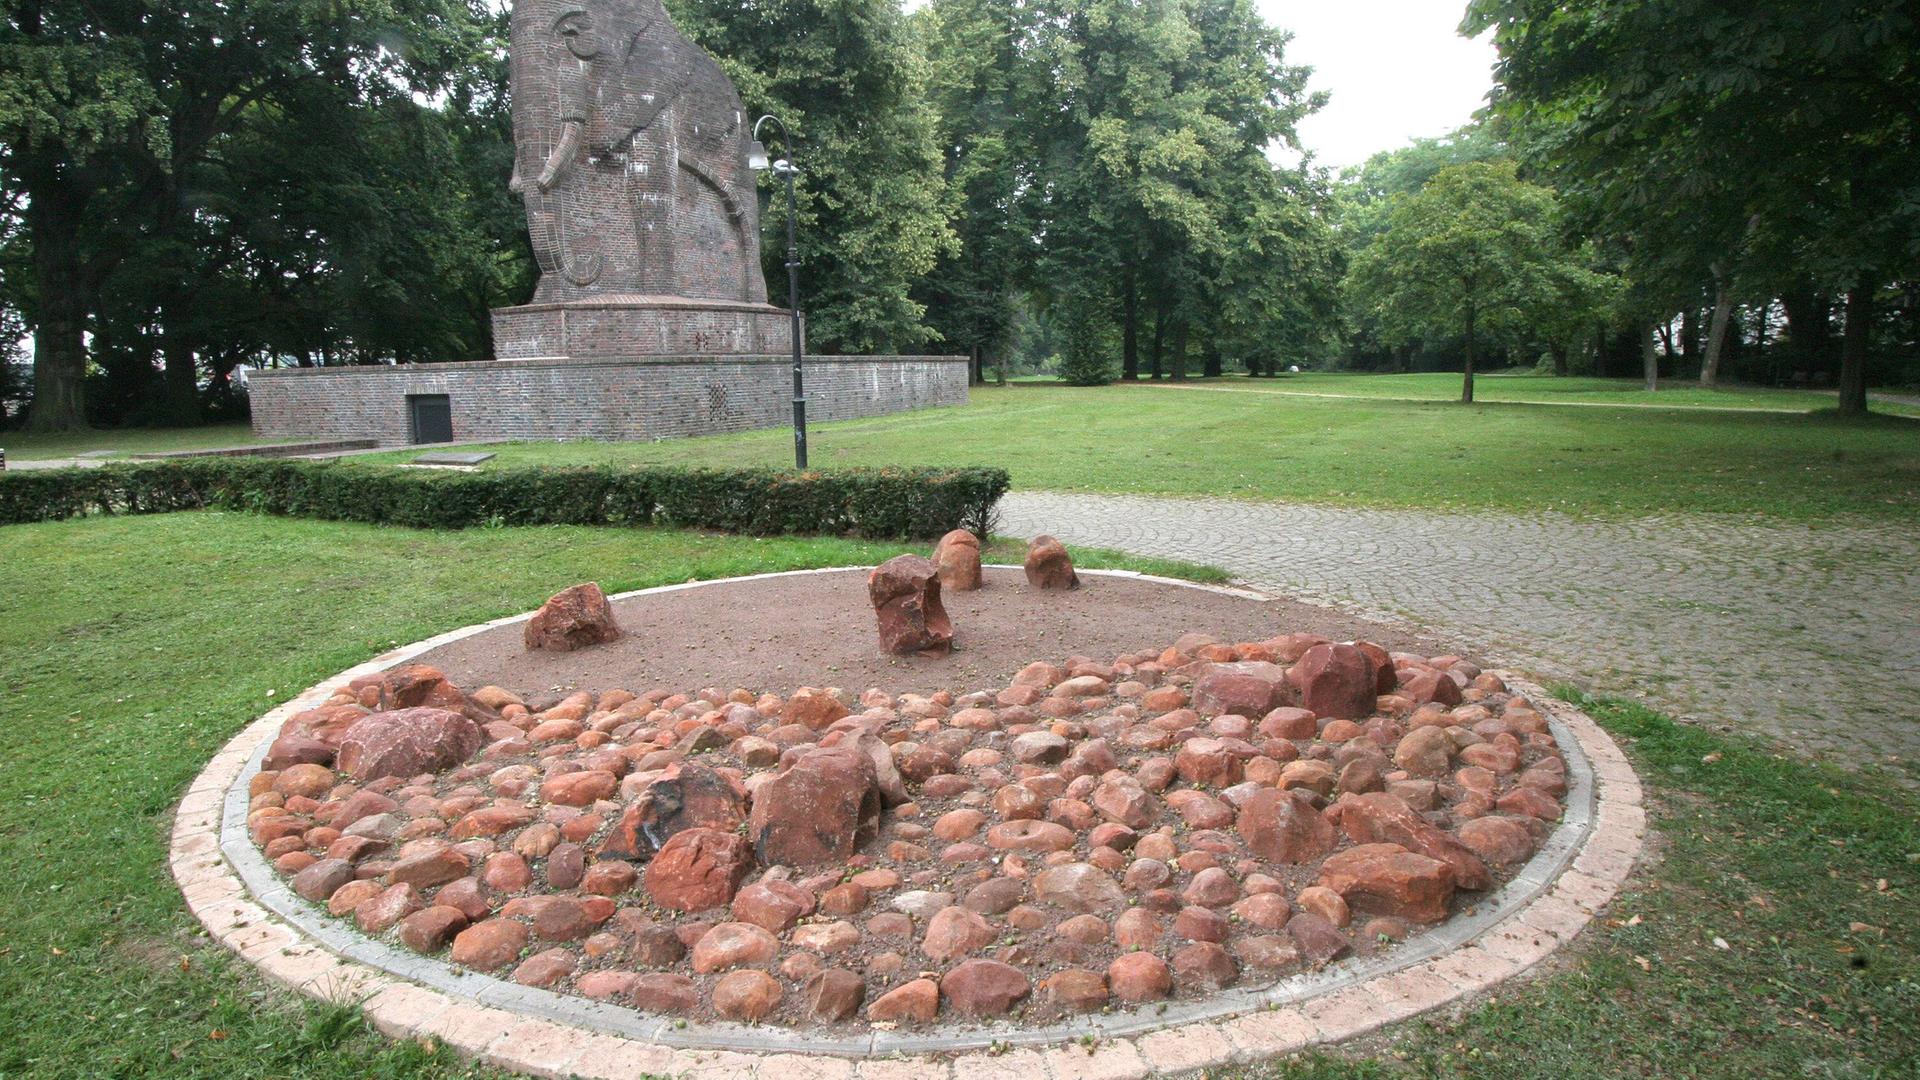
431, 417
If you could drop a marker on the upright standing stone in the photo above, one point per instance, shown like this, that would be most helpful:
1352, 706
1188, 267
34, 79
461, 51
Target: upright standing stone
905, 591
572, 619
1049, 566
958, 557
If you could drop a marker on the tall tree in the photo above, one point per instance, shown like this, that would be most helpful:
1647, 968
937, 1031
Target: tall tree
1782, 132
106, 106
1476, 252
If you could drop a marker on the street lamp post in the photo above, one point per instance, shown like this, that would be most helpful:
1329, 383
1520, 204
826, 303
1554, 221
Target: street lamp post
786, 171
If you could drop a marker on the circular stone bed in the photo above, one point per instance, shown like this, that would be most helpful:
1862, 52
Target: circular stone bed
1102, 801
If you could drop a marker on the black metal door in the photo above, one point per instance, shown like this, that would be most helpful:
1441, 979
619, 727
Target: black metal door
432, 417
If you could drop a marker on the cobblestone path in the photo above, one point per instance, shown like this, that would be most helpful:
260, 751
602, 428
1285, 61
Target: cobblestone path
1809, 634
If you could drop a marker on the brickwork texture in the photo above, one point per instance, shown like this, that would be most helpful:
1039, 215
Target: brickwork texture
650, 398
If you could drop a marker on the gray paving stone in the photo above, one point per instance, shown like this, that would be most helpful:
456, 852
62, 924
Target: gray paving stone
1807, 633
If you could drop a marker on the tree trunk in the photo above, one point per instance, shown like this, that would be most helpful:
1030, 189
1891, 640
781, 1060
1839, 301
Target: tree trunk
1159, 338
1650, 356
1180, 351
1466, 382
1808, 331
976, 367
1853, 351
59, 313
1559, 351
180, 385
1130, 330
1716, 330
1214, 365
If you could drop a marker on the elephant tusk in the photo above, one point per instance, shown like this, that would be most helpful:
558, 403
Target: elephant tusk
562, 156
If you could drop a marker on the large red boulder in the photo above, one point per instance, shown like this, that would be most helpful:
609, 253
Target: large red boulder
816, 812
1336, 681
1387, 879
698, 869
957, 556
686, 795
1049, 566
1241, 688
572, 619
1380, 818
905, 591
1283, 827
407, 742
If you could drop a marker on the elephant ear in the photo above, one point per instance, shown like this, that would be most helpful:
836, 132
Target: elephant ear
654, 66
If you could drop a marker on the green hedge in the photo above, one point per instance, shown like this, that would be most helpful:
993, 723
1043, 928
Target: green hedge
874, 503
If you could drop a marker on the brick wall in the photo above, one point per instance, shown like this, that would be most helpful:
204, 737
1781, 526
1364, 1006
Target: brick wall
650, 398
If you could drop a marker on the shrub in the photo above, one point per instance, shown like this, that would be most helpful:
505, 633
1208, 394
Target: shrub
873, 503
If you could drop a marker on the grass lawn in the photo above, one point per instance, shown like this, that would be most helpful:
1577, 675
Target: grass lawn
1529, 387
123, 441
131, 648
1159, 440
1523, 387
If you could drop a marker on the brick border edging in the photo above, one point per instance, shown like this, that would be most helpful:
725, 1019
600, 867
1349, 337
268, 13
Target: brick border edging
232, 890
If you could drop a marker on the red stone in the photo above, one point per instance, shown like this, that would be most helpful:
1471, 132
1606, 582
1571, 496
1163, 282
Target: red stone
1049, 566
814, 709
1336, 681
905, 593
664, 992
746, 995
1283, 827
583, 788
833, 994
1204, 965
1241, 688
1075, 990
916, 1001
1380, 818
955, 932
816, 812
698, 869
1431, 686
1500, 840
957, 556
731, 945
407, 742
572, 619
429, 929
1139, 976
984, 988
686, 795
772, 905
1387, 879
488, 945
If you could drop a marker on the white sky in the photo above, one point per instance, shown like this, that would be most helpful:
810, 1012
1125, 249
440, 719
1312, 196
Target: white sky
1397, 69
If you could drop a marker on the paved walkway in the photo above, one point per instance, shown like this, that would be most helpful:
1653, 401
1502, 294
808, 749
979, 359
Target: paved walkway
1807, 634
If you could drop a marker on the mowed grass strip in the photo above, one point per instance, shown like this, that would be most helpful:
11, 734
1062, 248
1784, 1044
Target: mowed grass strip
1157, 440
130, 649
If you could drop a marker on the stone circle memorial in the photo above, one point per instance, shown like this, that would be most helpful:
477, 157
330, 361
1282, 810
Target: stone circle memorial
674, 834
